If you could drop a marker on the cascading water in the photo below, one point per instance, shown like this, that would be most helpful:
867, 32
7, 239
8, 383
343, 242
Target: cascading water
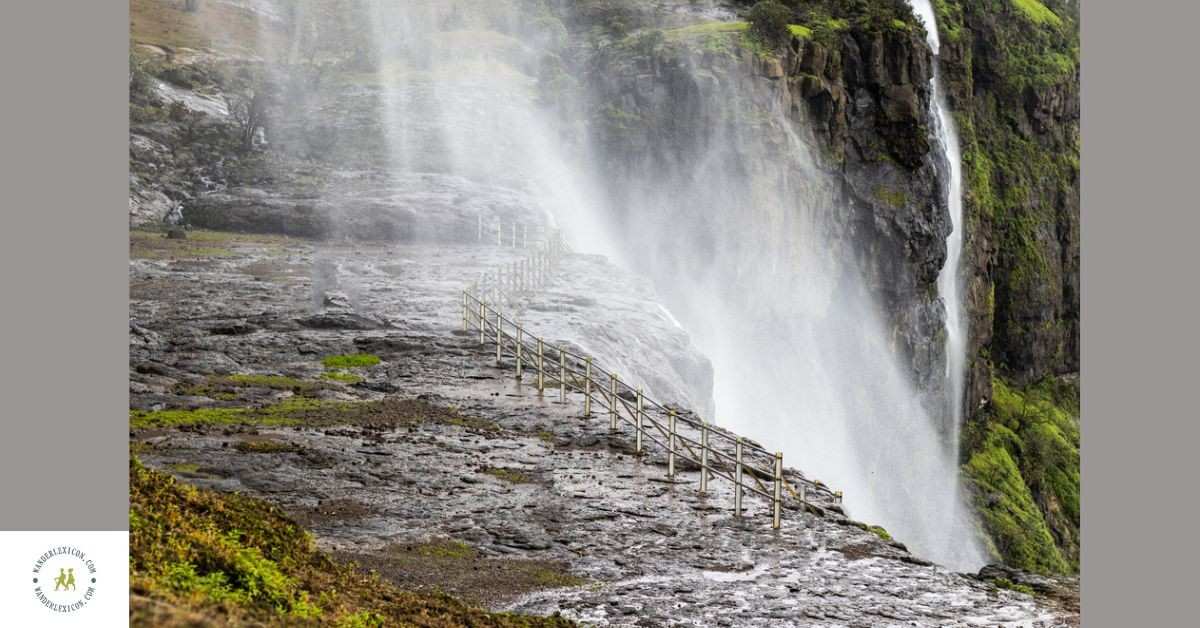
459, 97
950, 278
746, 238
754, 248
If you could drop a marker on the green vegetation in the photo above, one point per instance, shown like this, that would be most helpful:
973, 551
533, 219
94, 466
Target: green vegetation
707, 28
290, 411
769, 20
148, 243
1024, 469
1037, 13
893, 197
447, 548
350, 360
216, 559
1005, 583
799, 31
342, 376
880, 532
295, 411
512, 476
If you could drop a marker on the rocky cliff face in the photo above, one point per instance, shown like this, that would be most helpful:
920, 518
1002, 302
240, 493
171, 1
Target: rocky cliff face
855, 83
857, 95
1012, 75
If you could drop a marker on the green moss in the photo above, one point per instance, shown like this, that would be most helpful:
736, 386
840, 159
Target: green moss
1005, 583
893, 197
446, 549
227, 559
1024, 469
512, 476
342, 376
800, 31
290, 411
949, 20
880, 532
1037, 13
351, 360
706, 28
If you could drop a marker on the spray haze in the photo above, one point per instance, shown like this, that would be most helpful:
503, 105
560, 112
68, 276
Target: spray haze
724, 206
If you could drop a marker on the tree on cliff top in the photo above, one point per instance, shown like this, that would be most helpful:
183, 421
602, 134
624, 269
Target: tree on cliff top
769, 22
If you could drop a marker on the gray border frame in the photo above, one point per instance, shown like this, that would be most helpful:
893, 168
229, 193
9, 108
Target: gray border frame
63, 248
63, 254
1138, 340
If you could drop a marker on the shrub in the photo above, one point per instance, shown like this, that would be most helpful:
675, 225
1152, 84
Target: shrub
769, 23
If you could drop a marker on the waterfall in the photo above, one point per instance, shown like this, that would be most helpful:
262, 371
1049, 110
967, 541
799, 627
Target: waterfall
949, 282
950, 278
753, 246
748, 241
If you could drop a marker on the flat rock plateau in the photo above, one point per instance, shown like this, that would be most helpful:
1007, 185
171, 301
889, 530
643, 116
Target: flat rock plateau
526, 504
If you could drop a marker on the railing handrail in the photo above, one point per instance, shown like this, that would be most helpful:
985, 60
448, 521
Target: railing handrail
567, 369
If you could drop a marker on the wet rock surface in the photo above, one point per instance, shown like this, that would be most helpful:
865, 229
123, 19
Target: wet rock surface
509, 473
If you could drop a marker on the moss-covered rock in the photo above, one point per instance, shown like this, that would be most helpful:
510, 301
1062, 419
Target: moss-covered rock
1023, 469
209, 558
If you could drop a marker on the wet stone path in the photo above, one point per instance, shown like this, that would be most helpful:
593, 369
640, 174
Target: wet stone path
511, 474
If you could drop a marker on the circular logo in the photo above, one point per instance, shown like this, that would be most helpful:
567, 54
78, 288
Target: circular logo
64, 579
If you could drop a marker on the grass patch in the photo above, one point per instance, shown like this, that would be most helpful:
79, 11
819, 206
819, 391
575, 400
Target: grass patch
150, 243
227, 559
291, 411
298, 411
350, 360
1005, 583
512, 476
343, 377
226, 387
446, 549
1037, 13
458, 568
880, 532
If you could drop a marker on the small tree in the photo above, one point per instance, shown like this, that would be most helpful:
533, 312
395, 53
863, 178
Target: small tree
249, 113
769, 23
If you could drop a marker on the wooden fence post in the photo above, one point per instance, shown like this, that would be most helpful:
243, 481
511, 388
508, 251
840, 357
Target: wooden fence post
671, 444
639, 421
499, 338
777, 505
587, 387
737, 485
612, 402
520, 342
562, 375
703, 457
466, 310
481, 322
541, 381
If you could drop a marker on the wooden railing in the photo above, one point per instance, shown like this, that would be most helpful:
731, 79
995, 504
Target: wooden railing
684, 437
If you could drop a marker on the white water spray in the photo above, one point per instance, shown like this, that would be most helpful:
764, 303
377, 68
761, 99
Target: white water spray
949, 282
